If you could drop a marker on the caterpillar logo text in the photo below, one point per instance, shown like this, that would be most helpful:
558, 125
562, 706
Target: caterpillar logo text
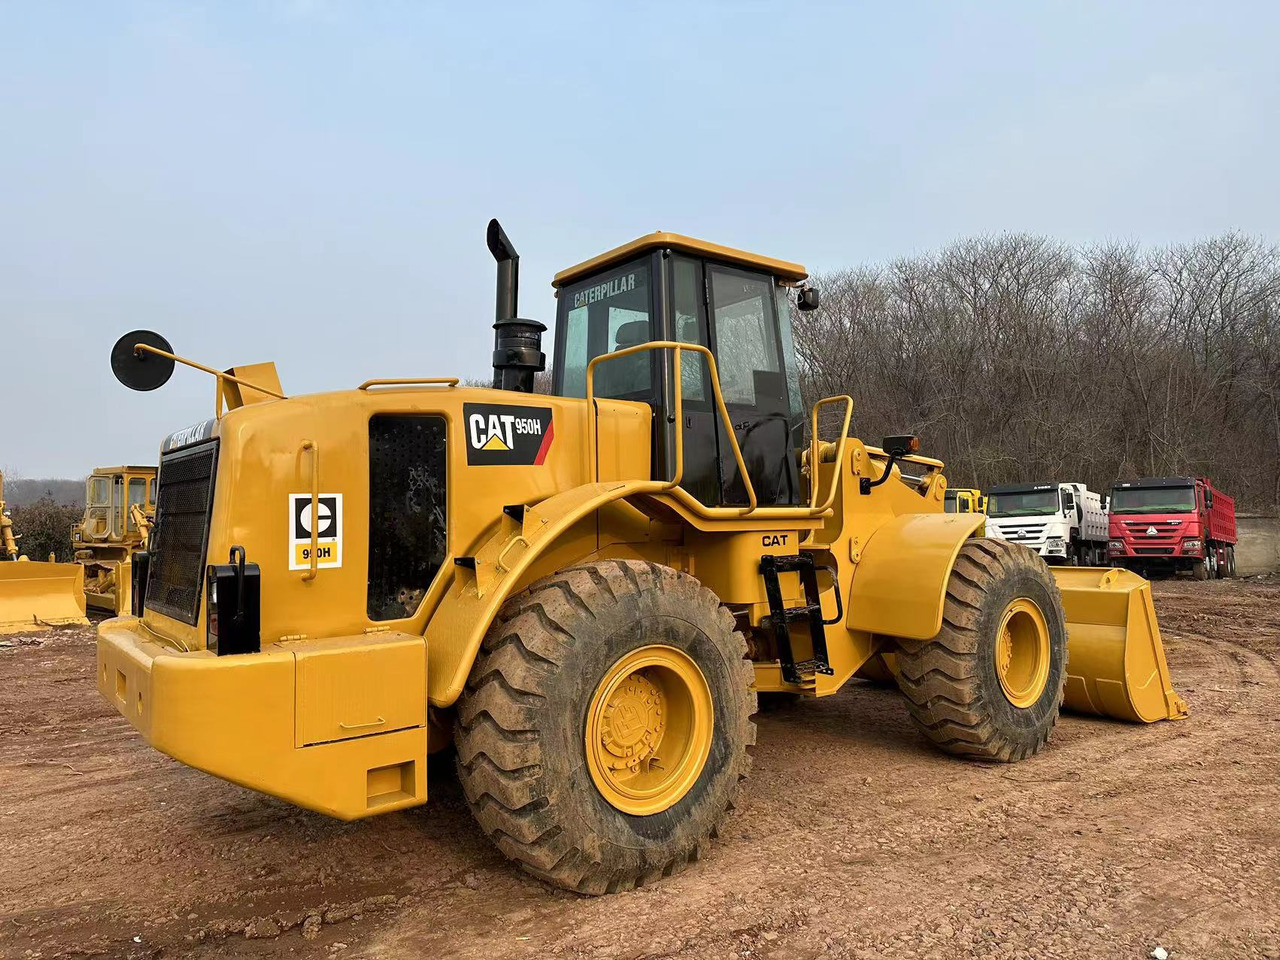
502, 435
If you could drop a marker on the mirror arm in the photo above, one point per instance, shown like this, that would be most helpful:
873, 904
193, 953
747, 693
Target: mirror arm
141, 348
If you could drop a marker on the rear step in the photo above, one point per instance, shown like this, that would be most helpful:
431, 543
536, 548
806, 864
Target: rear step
781, 617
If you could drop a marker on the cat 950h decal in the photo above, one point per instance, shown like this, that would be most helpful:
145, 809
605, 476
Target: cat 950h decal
502, 435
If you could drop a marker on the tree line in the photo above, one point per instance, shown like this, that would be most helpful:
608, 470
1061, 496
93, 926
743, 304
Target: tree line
1018, 358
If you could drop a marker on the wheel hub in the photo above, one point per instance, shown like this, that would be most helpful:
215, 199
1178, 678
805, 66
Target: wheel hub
632, 725
1022, 652
648, 729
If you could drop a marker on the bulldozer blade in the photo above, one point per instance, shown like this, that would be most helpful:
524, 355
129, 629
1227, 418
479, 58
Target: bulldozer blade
1115, 659
35, 595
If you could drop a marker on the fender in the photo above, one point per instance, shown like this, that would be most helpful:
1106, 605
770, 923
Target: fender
900, 582
481, 585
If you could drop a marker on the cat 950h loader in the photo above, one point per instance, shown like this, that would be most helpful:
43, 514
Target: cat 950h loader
586, 590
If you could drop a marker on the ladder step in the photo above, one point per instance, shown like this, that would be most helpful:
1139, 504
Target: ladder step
810, 612
794, 614
814, 666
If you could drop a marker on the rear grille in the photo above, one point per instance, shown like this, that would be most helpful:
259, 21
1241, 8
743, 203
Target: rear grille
177, 546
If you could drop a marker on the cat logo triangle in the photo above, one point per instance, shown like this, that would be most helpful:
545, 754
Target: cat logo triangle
495, 443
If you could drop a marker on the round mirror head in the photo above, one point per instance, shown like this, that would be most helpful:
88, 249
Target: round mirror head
139, 370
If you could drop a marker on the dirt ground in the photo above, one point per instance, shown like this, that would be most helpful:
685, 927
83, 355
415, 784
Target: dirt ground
855, 839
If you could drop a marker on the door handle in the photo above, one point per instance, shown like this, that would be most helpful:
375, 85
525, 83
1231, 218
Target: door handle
359, 726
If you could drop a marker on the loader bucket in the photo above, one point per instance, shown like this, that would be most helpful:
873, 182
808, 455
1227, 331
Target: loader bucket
1115, 660
34, 595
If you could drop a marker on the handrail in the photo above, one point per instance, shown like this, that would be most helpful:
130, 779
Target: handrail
679, 348
408, 381
840, 448
672, 486
315, 508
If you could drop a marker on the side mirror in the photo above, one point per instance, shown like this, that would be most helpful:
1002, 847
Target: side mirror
808, 298
138, 369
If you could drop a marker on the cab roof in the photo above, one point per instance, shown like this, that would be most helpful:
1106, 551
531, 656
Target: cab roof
1148, 483
784, 270
109, 471
1022, 487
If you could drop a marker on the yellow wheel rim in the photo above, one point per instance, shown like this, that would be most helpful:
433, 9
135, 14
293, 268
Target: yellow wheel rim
1022, 652
649, 729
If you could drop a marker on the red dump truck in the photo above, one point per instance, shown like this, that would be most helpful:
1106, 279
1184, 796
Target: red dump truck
1167, 524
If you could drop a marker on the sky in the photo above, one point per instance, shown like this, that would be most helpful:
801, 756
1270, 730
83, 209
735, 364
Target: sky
309, 182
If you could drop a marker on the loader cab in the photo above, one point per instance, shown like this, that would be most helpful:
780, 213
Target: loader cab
964, 500
670, 287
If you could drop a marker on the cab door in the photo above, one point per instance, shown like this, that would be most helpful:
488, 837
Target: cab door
688, 321
746, 336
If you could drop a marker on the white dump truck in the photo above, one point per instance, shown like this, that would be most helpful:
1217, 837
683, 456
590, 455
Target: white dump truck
1063, 522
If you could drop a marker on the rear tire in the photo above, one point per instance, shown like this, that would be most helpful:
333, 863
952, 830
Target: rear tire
559, 662
962, 699
1231, 562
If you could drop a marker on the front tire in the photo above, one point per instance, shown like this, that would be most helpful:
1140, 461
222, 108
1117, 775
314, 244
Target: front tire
604, 729
990, 684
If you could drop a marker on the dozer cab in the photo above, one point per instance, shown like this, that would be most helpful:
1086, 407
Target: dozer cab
584, 591
35, 594
119, 507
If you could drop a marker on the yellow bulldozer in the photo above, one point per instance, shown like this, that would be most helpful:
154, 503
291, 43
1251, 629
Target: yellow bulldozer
35, 594
119, 507
583, 591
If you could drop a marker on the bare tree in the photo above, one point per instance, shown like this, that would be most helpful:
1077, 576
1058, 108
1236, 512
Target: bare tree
1017, 358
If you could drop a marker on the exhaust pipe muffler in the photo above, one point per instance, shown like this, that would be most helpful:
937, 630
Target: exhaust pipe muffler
517, 343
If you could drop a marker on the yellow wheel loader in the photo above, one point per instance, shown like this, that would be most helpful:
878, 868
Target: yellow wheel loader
119, 506
584, 591
35, 594
964, 500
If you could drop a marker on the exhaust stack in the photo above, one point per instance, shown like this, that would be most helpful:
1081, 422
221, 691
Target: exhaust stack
517, 343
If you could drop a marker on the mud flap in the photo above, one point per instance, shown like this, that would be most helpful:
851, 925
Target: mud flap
1115, 659
35, 595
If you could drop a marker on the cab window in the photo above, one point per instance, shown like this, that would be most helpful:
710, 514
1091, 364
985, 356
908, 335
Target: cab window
747, 353
687, 301
138, 497
605, 313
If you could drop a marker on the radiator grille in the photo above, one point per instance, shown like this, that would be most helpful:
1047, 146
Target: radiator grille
178, 543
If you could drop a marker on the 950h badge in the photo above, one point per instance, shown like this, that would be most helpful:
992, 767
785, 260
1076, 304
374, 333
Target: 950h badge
325, 523
502, 435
